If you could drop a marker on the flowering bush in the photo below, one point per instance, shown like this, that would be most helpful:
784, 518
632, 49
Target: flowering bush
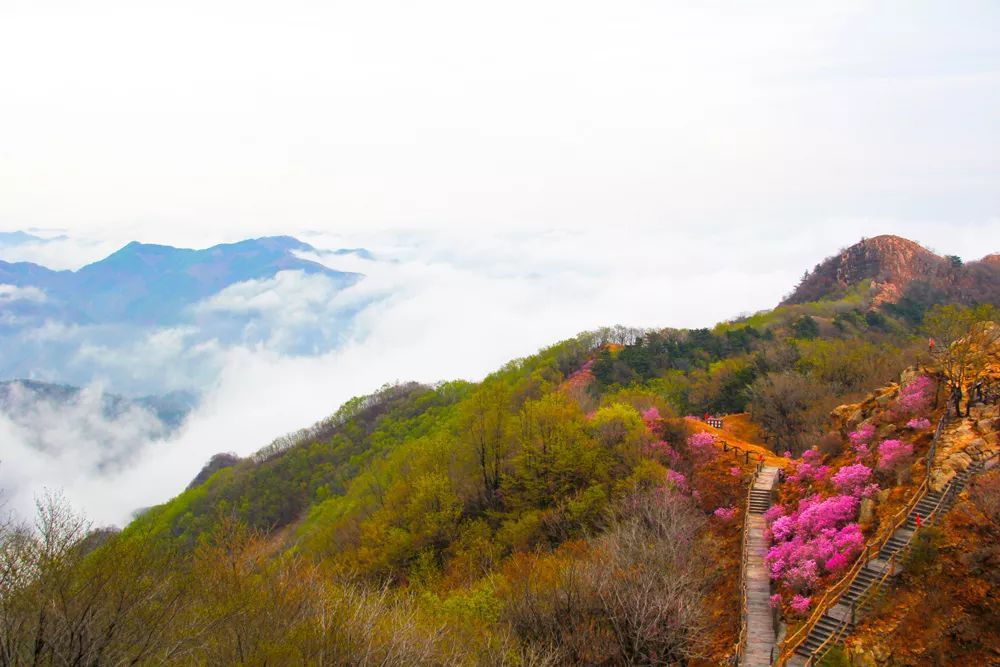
895, 456
800, 604
915, 396
863, 435
853, 479
919, 423
735, 471
651, 417
678, 481
726, 514
807, 541
775, 601
836, 562
809, 469
661, 451
702, 447
773, 512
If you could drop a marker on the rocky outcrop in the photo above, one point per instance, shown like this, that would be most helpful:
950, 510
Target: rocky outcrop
964, 442
893, 265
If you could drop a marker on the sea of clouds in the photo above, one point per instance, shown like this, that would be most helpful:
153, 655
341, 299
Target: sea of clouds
434, 305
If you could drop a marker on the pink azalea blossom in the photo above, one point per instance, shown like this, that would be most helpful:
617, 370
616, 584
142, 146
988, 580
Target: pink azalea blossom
735, 471
661, 451
852, 479
919, 423
678, 481
726, 514
863, 436
702, 447
651, 417
801, 604
775, 601
915, 396
894, 456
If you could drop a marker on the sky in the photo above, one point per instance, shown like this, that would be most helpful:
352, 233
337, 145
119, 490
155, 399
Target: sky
522, 170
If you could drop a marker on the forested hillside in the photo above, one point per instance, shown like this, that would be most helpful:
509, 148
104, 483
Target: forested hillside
563, 510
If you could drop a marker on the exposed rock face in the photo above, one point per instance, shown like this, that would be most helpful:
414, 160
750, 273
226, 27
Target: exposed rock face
964, 442
895, 265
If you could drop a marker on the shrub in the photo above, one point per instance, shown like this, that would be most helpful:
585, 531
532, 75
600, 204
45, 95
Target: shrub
725, 514
863, 436
702, 447
801, 604
896, 457
830, 444
919, 423
915, 396
854, 480
807, 541
924, 551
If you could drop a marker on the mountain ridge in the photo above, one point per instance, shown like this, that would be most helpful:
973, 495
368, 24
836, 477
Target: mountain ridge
144, 283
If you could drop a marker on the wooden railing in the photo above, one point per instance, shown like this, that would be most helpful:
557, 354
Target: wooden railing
875, 590
788, 646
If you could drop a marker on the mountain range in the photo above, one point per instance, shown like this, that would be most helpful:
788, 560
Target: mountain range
147, 284
150, 319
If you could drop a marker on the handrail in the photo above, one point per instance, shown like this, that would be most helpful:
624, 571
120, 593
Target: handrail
876, 588
788, 646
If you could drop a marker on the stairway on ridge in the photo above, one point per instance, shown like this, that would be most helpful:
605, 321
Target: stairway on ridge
839, 618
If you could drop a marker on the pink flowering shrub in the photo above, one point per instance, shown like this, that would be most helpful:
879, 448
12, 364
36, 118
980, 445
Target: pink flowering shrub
809, 469
702, 447
774, 512
678, 481
861, 438
863, 435
853, 479
895, 456
915, 396
801, 604
725, 514
919, 423
735, 471
806, 542
774, 601
660, 450
836, 563
651, 417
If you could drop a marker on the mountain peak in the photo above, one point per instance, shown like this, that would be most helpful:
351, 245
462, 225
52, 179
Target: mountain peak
892, 263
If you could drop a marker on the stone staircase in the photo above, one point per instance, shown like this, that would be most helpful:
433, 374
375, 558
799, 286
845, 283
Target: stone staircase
840, 620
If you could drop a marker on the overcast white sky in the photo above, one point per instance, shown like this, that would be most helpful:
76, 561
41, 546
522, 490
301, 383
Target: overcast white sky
534, 168
224, 119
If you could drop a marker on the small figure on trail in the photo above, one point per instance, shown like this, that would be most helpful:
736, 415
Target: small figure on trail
930, 345
917, 516
706, 416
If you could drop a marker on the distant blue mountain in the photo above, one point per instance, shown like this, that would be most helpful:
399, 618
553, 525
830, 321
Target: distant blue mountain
145, 284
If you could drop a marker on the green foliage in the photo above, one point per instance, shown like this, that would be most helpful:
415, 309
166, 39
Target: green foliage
805, 327
924, 551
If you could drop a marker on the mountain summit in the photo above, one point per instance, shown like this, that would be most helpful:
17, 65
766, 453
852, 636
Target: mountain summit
898, 267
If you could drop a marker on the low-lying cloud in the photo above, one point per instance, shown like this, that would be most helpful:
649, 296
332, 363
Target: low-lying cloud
433, 306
